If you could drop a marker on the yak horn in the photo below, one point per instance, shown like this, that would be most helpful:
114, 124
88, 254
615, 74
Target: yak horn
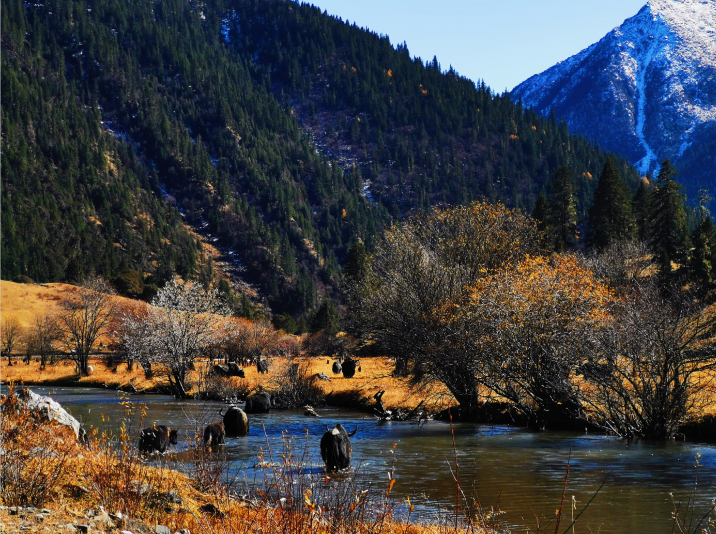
353, 433
221, 410
327, 429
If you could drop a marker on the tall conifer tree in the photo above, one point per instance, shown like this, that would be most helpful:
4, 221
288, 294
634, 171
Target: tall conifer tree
641, 209
541, 212
563, 210
667, 234
611, 216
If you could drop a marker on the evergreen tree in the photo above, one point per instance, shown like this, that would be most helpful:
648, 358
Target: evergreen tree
641, 209
327, 319
667, 233
356, 264
611, 216
541, 212
701, 263
563, 210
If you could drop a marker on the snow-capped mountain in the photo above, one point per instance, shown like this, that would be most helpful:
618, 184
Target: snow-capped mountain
647, 90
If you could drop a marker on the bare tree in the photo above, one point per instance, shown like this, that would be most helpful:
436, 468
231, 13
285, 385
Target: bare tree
11, 333
84, 316
43, 336
183, 323
652, 365
244, 341
135, 337
623, 264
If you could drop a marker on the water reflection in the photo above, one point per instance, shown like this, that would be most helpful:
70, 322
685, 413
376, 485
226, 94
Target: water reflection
521, 470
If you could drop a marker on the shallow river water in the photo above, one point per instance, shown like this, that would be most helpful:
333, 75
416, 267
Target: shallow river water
522, 471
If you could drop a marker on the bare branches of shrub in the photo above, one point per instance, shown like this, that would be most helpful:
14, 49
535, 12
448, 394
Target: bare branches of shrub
651, 364
84, 316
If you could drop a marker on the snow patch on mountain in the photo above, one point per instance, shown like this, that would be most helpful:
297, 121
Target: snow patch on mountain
644, 89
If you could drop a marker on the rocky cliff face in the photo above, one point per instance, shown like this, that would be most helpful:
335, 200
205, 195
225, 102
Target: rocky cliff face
647, 90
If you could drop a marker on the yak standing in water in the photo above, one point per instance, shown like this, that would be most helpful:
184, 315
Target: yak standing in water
214, 435
157, 438
236, 423
336, 448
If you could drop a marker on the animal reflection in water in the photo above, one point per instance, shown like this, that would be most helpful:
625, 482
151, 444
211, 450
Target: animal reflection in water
336, 448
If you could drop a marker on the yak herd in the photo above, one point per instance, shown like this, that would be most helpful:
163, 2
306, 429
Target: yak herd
335, 443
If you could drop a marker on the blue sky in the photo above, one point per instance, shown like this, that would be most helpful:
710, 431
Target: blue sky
503, 42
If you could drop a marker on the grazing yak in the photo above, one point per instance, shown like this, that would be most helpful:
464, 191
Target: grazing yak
262, 366
157, 438
214, 435
349, 368
336, 448
235, 370
235, 422
259, 403
337, 369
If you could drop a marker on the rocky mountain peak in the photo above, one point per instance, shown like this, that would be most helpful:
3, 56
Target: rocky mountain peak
646, 90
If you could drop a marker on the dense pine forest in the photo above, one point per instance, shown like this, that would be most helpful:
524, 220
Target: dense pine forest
292, 135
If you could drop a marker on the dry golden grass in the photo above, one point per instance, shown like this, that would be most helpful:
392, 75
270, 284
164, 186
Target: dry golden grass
64, 372
25, 302
375, 376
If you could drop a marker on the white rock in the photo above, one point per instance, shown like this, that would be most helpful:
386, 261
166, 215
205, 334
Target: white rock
51, 411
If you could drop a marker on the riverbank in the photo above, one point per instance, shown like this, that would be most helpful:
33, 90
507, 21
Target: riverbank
375, 375
54, 483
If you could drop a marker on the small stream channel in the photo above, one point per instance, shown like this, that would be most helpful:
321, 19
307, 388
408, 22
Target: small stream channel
522, 471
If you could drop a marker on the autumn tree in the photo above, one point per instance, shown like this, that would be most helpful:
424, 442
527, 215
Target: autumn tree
243, 340
418, 270
610, 216
528, 326
84, 316
11, 333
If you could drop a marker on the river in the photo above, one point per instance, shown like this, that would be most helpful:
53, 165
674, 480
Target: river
520, 470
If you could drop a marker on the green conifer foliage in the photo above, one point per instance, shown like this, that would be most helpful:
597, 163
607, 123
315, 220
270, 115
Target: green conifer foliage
563, 210
541, 212
701, 263
641, 207
667, 233
327, 319
611, 216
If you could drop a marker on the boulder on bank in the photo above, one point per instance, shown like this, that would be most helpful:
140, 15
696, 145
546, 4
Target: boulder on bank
50, 410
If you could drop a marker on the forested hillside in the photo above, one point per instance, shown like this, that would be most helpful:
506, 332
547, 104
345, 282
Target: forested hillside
288, 133
421, 136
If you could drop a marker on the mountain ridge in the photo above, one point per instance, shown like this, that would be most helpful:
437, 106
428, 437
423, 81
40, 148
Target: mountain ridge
646, 90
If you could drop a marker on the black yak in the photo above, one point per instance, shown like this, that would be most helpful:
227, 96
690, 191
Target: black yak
259, 403
214, 435
235, 370
337, 369
336, 448
157, 438
262, 366
235, 422
349, 368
